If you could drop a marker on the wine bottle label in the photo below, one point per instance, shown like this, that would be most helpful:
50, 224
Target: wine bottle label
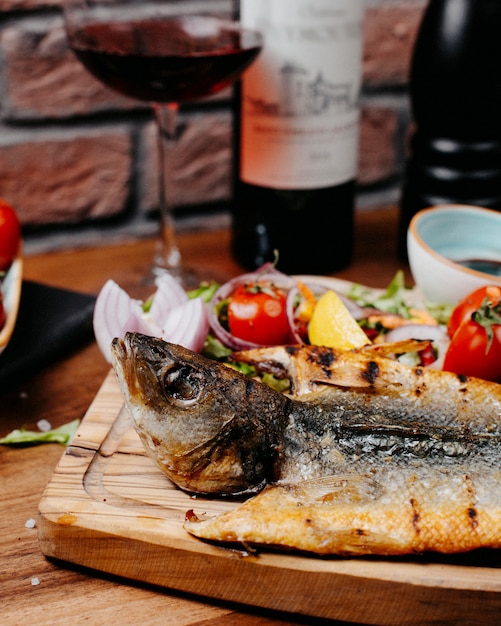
299, 109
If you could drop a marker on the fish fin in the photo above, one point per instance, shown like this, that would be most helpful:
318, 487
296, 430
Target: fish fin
390, 349
337, 488
309, 366
306, 518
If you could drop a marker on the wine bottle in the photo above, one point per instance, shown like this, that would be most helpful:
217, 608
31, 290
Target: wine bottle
296, 136
455, 91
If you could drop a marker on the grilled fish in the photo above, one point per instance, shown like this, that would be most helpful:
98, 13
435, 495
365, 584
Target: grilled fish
376, 458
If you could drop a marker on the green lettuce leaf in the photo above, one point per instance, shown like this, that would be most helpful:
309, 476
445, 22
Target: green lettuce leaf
20, 436
392, 300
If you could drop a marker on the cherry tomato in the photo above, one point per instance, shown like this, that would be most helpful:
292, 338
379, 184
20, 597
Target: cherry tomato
257, 313
469, 354
470, 304
475, 346
10, 234
427, 356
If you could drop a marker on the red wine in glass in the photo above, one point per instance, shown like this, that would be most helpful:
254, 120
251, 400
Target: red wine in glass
167, 61
176, 59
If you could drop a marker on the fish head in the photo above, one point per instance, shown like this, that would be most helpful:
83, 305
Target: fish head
209, 428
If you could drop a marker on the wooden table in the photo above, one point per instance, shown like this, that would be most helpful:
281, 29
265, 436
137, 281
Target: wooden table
63, 392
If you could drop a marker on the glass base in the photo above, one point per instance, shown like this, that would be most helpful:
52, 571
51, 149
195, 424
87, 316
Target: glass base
187, 277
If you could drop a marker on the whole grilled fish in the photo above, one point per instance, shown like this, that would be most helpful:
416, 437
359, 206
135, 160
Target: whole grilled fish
376, 458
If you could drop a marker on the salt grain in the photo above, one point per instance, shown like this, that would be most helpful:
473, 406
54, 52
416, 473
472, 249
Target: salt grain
35, 581
44, 425
30, 523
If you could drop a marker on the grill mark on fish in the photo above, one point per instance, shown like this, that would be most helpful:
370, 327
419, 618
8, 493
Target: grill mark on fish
471, 509
366, 457
472, 514
415, 515
324, 359
371, 374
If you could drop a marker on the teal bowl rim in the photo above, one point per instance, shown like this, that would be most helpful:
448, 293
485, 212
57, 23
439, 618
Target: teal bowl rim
449, 208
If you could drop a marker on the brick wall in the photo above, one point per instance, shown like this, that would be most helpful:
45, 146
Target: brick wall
79, 161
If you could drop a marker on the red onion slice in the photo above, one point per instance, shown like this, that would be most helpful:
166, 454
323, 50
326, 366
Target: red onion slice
172, 315
292, 298
187, 325
168, 296
138, 323
113, 309
436, 334
416, 331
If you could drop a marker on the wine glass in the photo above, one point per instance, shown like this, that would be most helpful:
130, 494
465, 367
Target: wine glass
165, 52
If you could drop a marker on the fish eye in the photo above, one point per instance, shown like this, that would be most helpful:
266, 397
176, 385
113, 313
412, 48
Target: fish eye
183, 385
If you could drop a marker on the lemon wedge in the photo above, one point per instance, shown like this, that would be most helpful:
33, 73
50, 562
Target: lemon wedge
332, 325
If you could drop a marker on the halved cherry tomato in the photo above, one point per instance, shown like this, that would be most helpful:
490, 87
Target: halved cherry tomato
475, 346
10, 234
257, 312
470, 304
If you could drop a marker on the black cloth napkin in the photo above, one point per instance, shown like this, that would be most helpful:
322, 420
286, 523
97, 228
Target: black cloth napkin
51, 323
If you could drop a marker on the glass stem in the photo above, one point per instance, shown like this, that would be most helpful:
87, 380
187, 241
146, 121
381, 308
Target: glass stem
167, 255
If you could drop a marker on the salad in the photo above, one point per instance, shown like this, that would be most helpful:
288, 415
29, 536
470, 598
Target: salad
267, 307
316, 311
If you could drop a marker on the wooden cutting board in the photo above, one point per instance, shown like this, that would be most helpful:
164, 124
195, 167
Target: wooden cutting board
109, 508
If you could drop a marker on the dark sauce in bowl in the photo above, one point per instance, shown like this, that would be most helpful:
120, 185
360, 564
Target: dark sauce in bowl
487, 266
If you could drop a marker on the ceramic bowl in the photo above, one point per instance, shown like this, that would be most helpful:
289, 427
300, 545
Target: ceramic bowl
440, 242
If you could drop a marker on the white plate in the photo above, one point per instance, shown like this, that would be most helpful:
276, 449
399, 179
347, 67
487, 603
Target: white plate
11, 292
412, 296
